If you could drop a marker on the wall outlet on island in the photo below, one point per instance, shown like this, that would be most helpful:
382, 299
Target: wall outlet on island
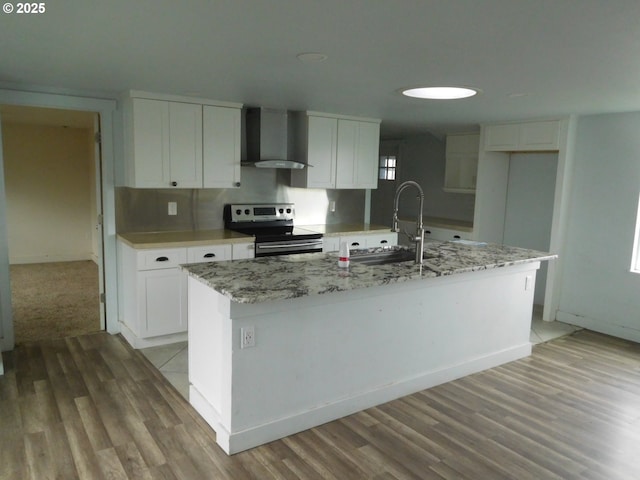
247, 337
172, 208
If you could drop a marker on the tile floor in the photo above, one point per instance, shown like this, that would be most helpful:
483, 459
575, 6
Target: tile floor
172, 360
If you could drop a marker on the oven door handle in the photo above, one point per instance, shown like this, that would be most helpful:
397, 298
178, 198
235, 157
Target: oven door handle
288, 245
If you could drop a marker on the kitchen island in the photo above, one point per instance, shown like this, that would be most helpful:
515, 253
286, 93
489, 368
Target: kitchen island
281, 344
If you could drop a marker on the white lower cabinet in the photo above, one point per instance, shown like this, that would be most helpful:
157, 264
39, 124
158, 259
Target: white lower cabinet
362, 240
243, 250
153, 290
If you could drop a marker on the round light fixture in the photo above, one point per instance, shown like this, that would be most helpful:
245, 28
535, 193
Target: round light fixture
440, 93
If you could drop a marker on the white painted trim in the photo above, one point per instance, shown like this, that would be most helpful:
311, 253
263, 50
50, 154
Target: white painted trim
180, 98
70, 257
600, 326
106, 108
137, 342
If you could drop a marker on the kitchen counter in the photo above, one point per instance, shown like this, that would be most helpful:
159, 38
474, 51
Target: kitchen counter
279, 345
340, 229
285, 277
143, 240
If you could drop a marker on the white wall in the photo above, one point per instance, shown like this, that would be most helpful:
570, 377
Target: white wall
597, 289
48, 175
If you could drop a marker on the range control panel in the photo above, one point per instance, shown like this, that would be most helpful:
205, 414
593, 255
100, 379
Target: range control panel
262, 212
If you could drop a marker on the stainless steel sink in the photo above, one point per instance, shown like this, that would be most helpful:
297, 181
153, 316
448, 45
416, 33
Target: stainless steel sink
384, 257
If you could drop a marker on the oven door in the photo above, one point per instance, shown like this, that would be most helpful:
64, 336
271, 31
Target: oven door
287, 247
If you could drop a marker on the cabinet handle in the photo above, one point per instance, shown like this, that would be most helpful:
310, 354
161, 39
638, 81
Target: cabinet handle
383, 241
174, 184
237, 184
456, 236
162, 259
355, 244
209, 255
428, 232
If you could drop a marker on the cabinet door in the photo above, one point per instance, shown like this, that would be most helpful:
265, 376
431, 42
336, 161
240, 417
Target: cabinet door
150, 143
211, 253
162, 302
381, 239
221, 139
347, 149
540, 135
366, 159
321, 152
185, 145
502, 138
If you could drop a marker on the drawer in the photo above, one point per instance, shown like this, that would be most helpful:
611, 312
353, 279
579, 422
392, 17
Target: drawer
161, 258
209, 253
382, 239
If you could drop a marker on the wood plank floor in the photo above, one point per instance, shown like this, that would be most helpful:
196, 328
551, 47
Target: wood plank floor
90, 407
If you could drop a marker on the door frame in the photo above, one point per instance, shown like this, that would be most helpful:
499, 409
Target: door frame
106, 109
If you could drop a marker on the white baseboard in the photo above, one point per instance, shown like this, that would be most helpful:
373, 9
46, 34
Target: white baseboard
600, 326
239, 441
71, 257
137, 342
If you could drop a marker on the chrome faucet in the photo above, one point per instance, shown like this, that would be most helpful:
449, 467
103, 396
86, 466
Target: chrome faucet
418, 238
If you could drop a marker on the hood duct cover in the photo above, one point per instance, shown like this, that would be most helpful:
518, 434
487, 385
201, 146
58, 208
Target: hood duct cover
267, 142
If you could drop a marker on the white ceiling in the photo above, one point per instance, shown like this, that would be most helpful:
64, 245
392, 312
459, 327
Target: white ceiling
530, 58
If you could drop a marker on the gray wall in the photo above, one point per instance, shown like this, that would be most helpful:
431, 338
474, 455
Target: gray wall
598, 290
145, 210
422, 159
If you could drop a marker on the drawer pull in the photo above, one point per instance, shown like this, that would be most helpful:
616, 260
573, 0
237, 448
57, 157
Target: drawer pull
209, 255
162, 259
355, 244
456, 236
383, 241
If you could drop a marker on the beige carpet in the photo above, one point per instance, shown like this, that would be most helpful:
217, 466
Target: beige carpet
54, 300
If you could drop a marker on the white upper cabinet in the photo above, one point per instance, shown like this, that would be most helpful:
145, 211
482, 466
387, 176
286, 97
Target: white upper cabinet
523, 137
180, 144
185, 145
221, 155
461, 166
342, 151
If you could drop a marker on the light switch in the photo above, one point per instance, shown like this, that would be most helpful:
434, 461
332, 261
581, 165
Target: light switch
173, 208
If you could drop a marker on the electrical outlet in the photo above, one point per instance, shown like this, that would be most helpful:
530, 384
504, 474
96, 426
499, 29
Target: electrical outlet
247, 337
172, 208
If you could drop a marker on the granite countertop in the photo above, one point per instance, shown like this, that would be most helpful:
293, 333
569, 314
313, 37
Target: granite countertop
142, 240
346, 229
290, 276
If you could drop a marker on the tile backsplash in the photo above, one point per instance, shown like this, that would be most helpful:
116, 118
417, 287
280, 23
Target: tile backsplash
145, 210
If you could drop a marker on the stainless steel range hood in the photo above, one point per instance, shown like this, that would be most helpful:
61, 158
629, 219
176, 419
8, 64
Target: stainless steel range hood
267, 139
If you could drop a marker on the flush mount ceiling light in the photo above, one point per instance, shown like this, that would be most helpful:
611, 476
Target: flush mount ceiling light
312, 57
440, 93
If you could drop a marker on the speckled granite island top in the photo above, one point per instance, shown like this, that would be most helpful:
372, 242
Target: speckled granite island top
290, 276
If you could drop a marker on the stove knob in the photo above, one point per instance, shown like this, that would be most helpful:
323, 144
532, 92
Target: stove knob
238, 212
247, 211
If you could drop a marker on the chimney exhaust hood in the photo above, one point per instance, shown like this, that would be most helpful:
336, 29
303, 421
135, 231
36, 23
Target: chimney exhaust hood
267, 139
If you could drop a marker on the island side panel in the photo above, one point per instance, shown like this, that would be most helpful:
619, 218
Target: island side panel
210, 357
322, 357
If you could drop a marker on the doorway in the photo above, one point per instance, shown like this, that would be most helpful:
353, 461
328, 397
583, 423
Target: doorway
529, 211
54, 209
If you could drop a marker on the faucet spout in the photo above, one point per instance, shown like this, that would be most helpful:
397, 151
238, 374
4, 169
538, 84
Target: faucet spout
418, 238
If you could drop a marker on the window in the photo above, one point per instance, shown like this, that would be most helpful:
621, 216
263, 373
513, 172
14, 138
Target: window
387, 167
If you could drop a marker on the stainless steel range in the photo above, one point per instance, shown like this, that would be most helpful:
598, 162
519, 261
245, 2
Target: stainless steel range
272, 225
